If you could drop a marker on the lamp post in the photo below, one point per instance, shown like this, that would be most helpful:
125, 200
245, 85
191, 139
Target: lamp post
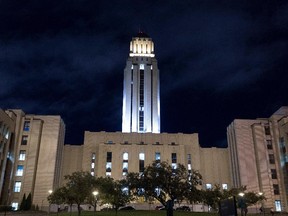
261, 207
95, 193
242, 204
50, 192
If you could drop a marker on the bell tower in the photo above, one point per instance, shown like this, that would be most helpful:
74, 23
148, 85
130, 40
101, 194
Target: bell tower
141, 93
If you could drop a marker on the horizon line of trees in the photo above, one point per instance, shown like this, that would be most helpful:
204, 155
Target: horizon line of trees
159, 181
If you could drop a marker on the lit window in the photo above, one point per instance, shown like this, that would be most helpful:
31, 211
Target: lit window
224, 186
141, 162
278, 205
92, 165
7, 135
22, 155
26, 126
141, 156
19, 171
141, 66
125, 156
108, 163
157, 156
208, 186
125, 164
17, 186
92, 173
14, 206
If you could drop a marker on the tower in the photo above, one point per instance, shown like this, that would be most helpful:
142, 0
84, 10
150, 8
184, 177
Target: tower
141, 94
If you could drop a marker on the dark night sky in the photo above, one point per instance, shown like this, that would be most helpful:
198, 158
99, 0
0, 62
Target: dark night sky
219, 60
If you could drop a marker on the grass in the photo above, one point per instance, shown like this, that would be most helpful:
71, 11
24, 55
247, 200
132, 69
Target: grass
137, 212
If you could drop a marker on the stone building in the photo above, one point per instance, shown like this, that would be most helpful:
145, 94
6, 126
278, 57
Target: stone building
35, 157
258, 158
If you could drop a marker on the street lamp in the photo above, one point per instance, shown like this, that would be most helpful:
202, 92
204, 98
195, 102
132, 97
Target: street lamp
50, 192
95, 193
242, 204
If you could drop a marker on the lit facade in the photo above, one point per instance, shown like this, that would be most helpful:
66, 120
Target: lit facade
36, 157
141, 94
258, 158
7, 128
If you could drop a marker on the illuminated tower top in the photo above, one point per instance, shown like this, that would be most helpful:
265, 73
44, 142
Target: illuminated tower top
142, 45
141, 95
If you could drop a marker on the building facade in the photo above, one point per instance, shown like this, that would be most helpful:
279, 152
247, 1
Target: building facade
258, 158
140, 143
35, 159
7, 128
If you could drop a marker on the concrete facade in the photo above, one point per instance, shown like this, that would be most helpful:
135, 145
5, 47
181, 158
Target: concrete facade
7, 128
115, 153
36, 158
257, 152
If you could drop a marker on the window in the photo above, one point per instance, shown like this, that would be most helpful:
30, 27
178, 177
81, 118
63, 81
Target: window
108, 163
174, 160
276, 189
208, 186
273, 174
24, 140
93, 158
141, 162
189, 166
19, 171
17, 186
157, 156
109, 157
225, 186
22, 155
125, 163
14, 206
26, 126
267, 130
269, 144
271, 159
278, 206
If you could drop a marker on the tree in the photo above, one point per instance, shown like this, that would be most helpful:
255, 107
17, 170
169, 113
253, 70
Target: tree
57, 197
113, 192
162, 182
79, 186
23, 202
28, 203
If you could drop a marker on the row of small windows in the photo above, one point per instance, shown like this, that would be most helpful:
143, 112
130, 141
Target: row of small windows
110, 142
209, 186
125, 159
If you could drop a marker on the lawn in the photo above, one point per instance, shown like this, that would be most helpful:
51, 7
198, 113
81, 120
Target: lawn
137, 212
